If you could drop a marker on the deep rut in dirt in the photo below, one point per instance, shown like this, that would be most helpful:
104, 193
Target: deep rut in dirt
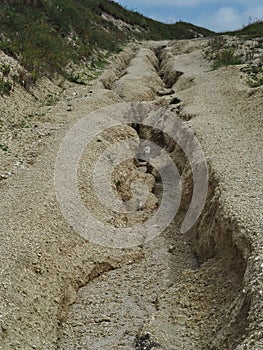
200, 290
187, 291
111, 310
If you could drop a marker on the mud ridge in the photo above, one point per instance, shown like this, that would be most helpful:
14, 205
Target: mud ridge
119, 67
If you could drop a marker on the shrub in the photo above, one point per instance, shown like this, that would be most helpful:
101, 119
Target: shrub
4, 148
217, 43
221, 53
5, 69
254, 74
74, 78
5, 87
226, 57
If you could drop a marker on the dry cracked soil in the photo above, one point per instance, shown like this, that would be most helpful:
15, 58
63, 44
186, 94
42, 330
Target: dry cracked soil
202, 289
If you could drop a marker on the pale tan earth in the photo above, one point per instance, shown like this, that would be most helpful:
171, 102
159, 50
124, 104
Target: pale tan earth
200, 290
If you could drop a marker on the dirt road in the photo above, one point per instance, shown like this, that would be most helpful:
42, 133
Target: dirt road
198, 290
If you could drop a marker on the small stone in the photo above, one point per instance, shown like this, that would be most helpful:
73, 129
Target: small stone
165, 92
142, 169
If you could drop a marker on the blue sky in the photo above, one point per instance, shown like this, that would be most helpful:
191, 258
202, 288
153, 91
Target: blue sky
213, 14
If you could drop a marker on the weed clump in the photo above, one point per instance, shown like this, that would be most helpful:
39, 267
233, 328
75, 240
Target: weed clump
221, 53
5, 87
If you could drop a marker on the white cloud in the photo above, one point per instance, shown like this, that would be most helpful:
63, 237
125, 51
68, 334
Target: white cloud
227, 18
224, 19
230, 18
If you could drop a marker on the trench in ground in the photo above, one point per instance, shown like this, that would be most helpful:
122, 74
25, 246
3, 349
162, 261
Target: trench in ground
185, 294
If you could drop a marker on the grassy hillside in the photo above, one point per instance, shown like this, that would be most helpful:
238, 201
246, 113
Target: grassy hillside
244, 48
254, 30
44, 35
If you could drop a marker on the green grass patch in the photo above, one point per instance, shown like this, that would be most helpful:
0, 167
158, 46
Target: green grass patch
221, 54
254, 75
5, 69
45, 35
4, 148
51, 99
5, 87
226, 57
75, 78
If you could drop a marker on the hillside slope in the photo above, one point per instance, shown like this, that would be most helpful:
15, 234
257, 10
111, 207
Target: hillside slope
44, 35
253, 30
